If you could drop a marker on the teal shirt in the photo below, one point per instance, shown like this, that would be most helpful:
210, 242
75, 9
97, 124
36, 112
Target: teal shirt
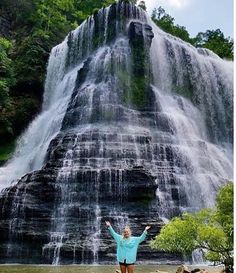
127, 248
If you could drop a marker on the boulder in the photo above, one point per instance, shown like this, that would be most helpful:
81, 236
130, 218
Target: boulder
183, 269
195, 270
198, 270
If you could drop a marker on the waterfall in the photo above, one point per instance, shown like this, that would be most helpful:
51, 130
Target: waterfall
197, 257
202, 135
32, 145
135, 128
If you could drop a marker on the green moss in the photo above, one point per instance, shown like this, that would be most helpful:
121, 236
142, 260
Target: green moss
6, 150
140, 59
134, 89
138, 94
124, 78
140, 71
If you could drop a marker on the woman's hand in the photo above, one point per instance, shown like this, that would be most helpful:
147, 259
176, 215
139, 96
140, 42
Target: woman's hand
147, 228
108, 223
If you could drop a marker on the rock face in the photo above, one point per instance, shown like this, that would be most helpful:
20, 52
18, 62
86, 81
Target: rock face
118, 153
66, 205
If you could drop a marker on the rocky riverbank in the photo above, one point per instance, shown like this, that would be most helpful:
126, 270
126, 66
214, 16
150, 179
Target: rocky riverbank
186, 269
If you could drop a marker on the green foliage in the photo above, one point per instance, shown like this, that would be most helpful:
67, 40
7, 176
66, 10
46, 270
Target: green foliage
138, 94
39, 26
215, 41
211, 39
166, 22
224, 213
7, 80
210, 230
17, 12
6, 150
88, 7
31, 56
6, 71
35, 27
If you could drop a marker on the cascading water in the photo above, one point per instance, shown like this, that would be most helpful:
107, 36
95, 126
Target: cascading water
32, 145
200, 120
137, 127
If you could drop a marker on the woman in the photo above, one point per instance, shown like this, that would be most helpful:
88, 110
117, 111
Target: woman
127, 247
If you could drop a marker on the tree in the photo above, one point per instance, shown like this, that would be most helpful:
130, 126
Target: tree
166, 23
6, 71
7, 80
35, 27
209, 230
215, 41
211, 39
225, 209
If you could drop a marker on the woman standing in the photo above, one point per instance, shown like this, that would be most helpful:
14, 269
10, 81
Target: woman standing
127, 247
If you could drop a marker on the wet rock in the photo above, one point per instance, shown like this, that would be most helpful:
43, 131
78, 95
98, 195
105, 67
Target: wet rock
195, 270
183, 269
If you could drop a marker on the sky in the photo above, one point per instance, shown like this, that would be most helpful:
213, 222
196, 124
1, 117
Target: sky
198, 15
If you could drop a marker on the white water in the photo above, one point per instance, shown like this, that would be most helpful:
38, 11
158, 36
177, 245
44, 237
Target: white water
211, 163
202, 161
100, 64
32, 145
208, 75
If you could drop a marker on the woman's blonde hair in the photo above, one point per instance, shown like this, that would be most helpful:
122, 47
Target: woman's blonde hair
129, 230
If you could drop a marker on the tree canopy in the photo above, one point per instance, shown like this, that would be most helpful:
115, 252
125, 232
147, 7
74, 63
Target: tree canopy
211, 39
34, 28
210, 230
166, 22
215, 41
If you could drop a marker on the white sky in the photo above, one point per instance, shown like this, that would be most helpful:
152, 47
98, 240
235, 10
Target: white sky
198, 15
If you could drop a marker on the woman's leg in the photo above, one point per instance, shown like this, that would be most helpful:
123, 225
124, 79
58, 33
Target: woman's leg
130, 268
123, 268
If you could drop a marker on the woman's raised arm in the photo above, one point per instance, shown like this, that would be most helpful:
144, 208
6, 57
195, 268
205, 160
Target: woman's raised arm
115, 235
144, 234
